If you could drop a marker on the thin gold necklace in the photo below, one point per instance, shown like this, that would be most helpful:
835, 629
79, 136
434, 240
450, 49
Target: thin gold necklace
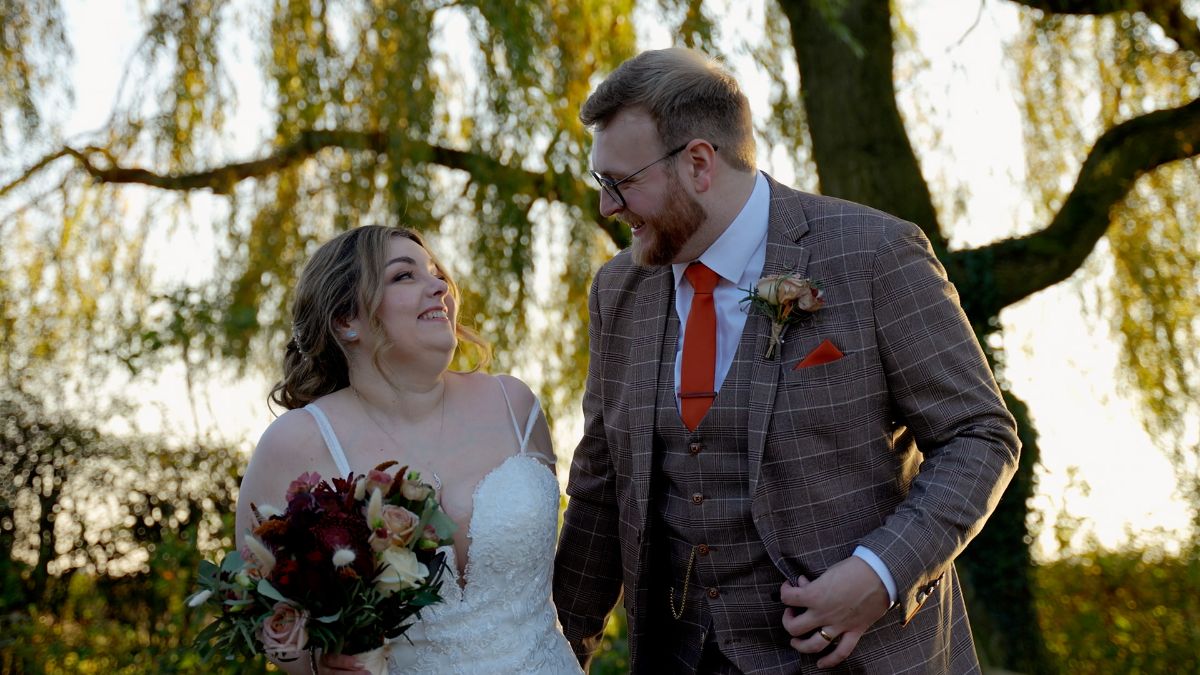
399, 446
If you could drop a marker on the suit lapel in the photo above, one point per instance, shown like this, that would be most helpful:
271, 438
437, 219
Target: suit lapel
786, 224
654, 305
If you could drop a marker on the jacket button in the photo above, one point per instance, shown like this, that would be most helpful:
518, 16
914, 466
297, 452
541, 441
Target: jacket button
697, 498
695, 448
714, 593
702, 549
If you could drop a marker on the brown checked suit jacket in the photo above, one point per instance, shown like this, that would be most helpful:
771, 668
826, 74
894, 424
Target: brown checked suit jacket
902, 445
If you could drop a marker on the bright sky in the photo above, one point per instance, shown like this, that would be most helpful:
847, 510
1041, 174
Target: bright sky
1060, 365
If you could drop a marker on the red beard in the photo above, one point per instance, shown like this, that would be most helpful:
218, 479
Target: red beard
668, 232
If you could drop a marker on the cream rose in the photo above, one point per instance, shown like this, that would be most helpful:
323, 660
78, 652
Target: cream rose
284, 634
415, 491
401, 570
768, 288
784, 289
791, 288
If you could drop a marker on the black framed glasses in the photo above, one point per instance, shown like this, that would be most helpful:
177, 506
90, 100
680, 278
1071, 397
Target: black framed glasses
612, 187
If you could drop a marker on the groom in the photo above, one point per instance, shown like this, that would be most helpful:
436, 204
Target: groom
767, 514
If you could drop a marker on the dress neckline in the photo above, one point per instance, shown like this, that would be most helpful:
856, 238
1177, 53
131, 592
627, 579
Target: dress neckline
462, 578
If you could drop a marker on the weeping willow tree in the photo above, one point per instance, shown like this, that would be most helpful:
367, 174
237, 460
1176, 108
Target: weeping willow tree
459, 119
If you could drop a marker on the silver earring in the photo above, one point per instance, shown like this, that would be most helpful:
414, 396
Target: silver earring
351, 334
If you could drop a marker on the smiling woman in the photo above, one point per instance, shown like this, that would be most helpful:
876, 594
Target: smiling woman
352, 285
367, 381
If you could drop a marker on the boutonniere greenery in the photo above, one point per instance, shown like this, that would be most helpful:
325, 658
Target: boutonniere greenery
784, 299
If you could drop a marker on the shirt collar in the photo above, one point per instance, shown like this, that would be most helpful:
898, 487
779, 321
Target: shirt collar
731, 252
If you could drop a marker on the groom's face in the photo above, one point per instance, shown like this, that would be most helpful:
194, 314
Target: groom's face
660, 212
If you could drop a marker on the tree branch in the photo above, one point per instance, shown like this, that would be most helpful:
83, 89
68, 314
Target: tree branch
1168, 14
223, 179
32, 171
1022, 266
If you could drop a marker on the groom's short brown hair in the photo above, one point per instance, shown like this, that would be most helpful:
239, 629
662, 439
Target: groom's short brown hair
687, 94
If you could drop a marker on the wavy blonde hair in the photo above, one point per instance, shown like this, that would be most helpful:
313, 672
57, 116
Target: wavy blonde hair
344, 279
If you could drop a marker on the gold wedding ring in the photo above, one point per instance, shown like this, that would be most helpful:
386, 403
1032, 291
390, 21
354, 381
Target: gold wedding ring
827, 636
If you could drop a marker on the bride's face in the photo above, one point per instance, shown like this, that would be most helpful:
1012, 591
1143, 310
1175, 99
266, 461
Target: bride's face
418, 312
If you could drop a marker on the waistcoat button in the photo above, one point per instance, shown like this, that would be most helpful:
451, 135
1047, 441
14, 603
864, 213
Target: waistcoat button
714, 593
695, 448
702, 549
697, 498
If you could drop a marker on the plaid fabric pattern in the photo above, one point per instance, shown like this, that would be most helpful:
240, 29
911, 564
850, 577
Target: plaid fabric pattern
902, 446
709, 466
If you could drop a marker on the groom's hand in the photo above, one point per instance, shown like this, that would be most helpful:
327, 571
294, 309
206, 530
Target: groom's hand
838, 606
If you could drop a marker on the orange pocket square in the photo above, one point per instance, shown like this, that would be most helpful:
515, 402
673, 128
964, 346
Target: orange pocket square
826, 352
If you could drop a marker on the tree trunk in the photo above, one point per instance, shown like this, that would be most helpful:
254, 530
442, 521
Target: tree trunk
859, 143
863, 154
997, 570
40, 574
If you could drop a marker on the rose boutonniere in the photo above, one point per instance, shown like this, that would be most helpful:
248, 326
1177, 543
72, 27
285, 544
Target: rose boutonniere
784, 299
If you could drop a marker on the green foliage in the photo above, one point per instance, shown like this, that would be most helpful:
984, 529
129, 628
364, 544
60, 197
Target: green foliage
33, 46
1129, 611
612, 658
99, 537
136, 623
1079, 76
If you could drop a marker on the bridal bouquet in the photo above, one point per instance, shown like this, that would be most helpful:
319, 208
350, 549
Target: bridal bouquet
343, 568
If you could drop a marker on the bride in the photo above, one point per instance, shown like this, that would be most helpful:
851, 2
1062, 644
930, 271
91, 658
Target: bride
366, 380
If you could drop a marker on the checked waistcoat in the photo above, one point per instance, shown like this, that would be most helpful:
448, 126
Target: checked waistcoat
704, 504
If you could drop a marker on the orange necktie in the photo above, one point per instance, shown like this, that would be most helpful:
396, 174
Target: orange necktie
696, 388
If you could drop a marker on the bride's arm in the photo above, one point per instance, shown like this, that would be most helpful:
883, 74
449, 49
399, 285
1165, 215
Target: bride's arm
290, 446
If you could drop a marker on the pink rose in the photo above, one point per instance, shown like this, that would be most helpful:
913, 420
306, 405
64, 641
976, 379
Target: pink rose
401, 524
809, 299
284, 634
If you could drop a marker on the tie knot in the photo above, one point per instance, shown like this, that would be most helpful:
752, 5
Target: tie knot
702, 279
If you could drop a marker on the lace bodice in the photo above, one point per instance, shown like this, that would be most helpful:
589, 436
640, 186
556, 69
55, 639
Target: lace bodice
503, 621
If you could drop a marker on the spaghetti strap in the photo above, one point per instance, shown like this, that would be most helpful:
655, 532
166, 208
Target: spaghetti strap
331, 441
522, 437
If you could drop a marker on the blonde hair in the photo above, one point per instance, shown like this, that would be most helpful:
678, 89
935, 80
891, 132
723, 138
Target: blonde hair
344, 279
687, 94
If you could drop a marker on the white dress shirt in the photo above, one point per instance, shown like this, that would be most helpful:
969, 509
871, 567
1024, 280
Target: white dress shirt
737, 256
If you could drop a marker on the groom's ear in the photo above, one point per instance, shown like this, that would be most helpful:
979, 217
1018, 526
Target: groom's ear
701, 158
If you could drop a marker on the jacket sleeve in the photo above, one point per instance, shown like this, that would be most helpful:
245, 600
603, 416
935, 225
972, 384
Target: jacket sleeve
942, 387
587, 570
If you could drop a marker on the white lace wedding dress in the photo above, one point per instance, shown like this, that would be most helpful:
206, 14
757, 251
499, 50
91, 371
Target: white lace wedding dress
503, 621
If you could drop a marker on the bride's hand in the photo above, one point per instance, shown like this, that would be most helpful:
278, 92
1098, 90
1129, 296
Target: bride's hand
340, 664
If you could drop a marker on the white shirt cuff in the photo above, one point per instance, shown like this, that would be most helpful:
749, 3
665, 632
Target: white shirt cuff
868, 556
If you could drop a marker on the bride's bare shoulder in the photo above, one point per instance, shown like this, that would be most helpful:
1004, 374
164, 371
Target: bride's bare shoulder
290, 445
294, 430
